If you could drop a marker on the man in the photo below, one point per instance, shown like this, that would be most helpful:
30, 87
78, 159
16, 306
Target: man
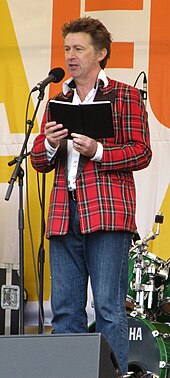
92, 206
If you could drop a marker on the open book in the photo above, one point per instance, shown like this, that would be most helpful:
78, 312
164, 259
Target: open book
91, 119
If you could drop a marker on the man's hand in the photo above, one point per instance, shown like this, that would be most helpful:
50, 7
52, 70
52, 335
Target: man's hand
55, 133
85, 145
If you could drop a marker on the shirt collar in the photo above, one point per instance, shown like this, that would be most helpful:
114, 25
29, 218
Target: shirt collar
70, 84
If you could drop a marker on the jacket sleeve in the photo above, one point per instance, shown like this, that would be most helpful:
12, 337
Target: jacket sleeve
131, 150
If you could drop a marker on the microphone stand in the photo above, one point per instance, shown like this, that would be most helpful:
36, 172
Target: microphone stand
41, 260
19, 173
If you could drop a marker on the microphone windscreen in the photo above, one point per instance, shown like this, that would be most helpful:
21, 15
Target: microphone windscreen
58, 74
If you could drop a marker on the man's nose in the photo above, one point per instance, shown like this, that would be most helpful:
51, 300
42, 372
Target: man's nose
71, 53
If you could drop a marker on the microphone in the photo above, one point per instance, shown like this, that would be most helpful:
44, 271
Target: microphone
143, 91
145, 88
54, 76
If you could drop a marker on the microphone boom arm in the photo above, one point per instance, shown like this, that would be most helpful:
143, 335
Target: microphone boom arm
20, 158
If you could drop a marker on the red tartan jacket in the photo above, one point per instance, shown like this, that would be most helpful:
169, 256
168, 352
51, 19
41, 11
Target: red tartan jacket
105, 190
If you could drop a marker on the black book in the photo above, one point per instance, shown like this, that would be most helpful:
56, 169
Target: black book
91, 119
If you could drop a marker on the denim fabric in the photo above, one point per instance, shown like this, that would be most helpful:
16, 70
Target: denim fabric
104, 256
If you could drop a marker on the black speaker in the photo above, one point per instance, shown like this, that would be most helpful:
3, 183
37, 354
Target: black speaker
57, 356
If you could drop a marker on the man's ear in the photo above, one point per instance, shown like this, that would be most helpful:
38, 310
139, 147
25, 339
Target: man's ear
101, 54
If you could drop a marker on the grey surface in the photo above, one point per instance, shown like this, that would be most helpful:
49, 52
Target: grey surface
55, 356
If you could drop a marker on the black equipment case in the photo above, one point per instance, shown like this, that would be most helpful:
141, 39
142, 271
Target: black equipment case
9, 299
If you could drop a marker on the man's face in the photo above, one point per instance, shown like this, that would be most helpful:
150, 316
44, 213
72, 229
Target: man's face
81, 57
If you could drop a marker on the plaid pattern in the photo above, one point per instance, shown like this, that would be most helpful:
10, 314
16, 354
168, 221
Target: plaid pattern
106, 190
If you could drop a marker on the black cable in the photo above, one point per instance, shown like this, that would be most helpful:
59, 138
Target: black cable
143, 91
36, 273
138, 77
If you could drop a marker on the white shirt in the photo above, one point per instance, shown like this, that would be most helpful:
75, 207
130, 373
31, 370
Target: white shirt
73, 155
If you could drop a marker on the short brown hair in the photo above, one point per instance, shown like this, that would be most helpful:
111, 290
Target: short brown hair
101, 38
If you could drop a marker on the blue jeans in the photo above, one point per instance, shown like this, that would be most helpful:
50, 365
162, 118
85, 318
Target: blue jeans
103, 256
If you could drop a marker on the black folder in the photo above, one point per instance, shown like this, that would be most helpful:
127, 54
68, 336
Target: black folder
91, 119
